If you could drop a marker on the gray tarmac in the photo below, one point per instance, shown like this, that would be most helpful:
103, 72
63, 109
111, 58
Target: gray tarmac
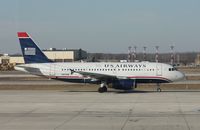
66, 110
86, 109
22, 78
56, 82
35, 82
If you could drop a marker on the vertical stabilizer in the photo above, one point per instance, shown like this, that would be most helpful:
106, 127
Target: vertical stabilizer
31, 52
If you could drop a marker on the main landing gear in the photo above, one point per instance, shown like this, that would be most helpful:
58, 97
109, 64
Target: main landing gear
158, 88
102, 88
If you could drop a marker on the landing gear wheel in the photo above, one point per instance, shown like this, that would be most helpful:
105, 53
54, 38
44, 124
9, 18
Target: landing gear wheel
159, 89
102, 89
105, 89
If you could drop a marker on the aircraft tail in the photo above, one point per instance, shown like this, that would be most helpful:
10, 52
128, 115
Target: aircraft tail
31, 52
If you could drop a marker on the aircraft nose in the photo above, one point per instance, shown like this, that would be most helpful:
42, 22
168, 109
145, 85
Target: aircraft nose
180, 76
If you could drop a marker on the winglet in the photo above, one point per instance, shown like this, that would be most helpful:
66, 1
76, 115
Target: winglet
22, 35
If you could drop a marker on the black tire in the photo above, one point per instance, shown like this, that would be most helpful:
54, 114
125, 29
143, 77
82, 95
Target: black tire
105, 89
159, 89
102, 89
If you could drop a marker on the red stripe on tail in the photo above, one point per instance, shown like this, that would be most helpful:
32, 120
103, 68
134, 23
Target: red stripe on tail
22, 34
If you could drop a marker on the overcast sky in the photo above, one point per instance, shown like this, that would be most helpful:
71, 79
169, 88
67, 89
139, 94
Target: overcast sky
102, 25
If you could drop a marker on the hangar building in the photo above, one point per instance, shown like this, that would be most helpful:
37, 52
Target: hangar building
197, 60
52, 53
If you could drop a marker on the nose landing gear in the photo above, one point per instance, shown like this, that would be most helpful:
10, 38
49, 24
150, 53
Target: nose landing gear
158, 88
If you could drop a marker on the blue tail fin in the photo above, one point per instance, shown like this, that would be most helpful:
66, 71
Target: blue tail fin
31, 52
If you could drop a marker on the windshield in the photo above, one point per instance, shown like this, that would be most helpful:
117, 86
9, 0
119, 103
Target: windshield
173, 69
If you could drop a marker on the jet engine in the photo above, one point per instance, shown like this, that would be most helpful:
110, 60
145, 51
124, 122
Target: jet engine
124, 84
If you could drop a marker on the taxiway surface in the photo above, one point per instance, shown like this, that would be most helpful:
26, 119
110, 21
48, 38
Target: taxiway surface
65, 110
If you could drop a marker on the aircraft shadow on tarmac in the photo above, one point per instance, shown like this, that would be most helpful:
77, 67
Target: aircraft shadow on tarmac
152, 91
134, 91
111, 91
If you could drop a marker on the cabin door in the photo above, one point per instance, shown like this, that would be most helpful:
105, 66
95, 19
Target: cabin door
159, 69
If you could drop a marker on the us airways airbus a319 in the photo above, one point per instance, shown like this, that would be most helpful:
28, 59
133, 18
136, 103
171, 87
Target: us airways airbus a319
124, 76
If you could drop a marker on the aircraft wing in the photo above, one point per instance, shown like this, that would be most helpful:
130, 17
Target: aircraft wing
99, 76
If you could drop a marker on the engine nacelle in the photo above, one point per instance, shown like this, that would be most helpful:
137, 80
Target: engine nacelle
123, 84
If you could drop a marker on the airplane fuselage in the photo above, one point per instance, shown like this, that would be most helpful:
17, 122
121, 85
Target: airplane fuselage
121, 75
142, 72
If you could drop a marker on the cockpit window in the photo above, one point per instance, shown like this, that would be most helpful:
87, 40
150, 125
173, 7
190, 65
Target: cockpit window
173, 69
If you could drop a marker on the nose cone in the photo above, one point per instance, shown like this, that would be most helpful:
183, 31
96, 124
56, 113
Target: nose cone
180, 76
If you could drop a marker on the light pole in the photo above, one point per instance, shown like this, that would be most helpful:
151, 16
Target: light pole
134, 53
144, 53
172, 54
129, 54
156, 57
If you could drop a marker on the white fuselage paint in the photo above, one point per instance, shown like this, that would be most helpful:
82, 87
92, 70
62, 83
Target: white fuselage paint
129, 70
